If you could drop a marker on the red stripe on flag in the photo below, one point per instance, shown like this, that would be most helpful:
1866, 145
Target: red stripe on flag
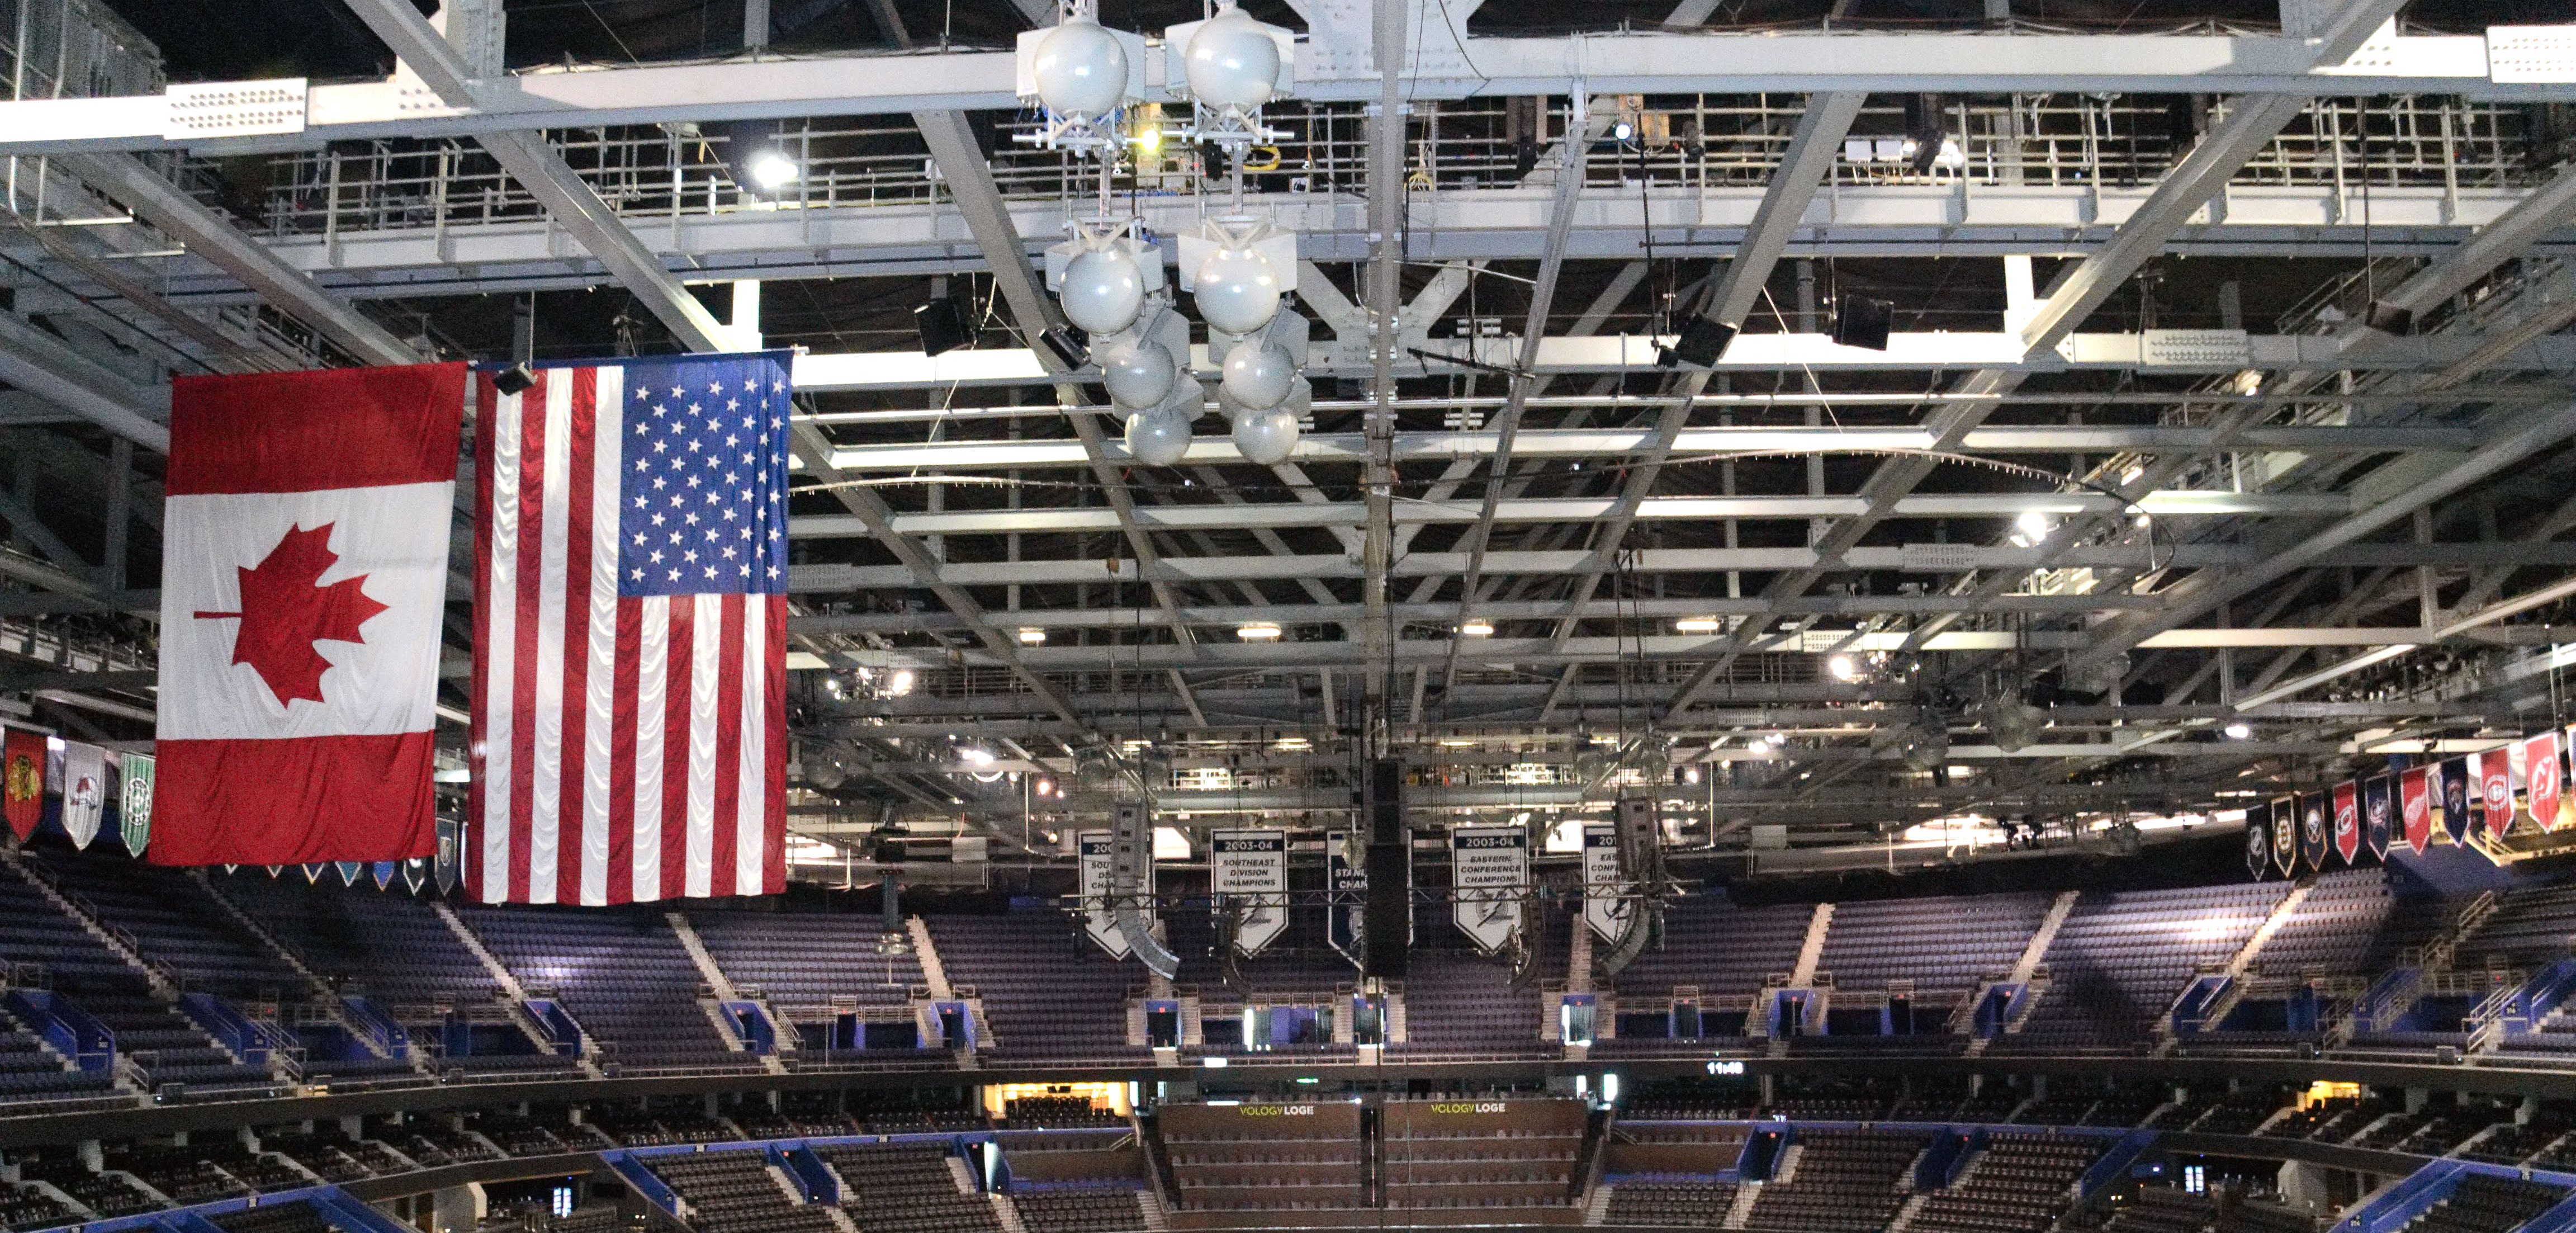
774, 807
523, 652
621, 767
299, 801
570, 833
729, 684
256, 432
675, 749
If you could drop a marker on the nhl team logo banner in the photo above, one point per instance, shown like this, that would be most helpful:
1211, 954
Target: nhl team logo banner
134, 801
2540, 778
2456, 777
2495, 790
2315, 839
1488, 874
303, 587
22, 782
2258, 840
2347, 821
2285, 835
1250, 876
2378, 810
2415, 806
84, 791
1095, 852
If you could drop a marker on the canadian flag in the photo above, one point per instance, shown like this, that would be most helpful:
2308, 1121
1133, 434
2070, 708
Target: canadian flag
304, 577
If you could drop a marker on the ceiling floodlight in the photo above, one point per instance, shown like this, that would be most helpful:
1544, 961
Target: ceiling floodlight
1031, 635
1258, 631
1476, 629
771, 170
1700, 625
1844, 667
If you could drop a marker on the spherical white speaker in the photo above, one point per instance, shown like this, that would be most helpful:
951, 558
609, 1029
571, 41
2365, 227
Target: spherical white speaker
1080, 69
1103, 291
1238, 291
1259, 372
1158, 437
1138, 373
1266, 436
1232, 61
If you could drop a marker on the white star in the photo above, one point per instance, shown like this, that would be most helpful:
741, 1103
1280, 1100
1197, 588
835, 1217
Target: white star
746, 494
675, 575
746, 570
734, 477
773, 571
690, 480
641, 428
749, 384
635, 575
657, 520
746, 532
711, 571
711, 535
693, 445
715, 425
776, 386
776, 423
715, 387
639, 502
656, 558
677, 391
731, 442
746, 459
639, 464
696, 407
660, 409
728, 510
660, 483
675, 500
728, 553
675, 539
733, 404
691, 519
641, 393
639, 539
773, 533
661, 447
690, 556
746, 423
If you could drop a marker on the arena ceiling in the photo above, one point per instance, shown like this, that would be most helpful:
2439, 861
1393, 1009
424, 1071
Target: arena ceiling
2219, 446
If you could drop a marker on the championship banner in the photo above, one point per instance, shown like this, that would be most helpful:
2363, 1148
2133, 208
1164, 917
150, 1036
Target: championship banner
2314, 840
2495, 790
2258, 840
134, 801
2458, 797
2347, 821
1346, 889
1488, 874
1095, 851
303, 590
1607, 908
2378, 805
2541, 778
84, 791
1248, 870
2415, 805
22, 782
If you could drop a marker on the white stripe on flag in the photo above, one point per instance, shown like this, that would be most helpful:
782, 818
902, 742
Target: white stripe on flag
500, 640
706, 662
599, 736
554, 540
652, 656
752, 764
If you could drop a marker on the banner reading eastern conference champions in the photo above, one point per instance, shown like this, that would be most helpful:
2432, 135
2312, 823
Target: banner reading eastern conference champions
2475, 800
628, 726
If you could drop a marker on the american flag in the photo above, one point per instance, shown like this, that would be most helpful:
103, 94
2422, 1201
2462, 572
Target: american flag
630, 638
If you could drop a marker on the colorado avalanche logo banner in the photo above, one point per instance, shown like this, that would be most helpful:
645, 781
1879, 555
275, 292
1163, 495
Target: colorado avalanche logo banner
303, 583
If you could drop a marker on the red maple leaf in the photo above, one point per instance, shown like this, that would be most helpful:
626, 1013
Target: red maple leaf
285, 611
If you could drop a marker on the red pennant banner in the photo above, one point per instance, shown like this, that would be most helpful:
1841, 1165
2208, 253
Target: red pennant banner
2347, 820
2495, 790
2415, 807
2541, 777
22, 782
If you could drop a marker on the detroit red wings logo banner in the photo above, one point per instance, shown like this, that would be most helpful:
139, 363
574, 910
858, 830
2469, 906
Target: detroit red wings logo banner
303, 582
2415, 807
630, 638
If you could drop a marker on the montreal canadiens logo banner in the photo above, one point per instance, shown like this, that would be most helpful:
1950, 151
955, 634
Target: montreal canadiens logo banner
304, 578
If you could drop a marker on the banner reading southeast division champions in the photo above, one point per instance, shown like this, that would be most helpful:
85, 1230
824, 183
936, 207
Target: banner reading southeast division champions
1250, 874
1488, 874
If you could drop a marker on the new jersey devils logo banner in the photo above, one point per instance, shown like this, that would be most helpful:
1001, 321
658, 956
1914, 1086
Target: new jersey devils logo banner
2415, 806
2347, 821
2540, 778
304, 578
2495, 790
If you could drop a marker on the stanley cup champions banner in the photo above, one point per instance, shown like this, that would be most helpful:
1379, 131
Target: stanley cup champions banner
1488, 874
303, 587
630, 633
1250, 872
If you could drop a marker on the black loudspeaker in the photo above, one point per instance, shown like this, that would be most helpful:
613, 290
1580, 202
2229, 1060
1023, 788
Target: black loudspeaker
941, 326
2389, 318
1386, 924
1860, 321
1702, 341
516, 379
1070, 346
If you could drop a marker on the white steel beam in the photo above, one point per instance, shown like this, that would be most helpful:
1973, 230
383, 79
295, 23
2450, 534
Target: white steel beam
47, 367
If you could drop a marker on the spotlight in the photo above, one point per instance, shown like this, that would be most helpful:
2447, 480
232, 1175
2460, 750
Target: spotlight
1031, 635
900, 683
1476, 629
1700, 625
974, 756
1701, 342
1068, 345
1844, 667
770, 170
2030, 528
1622, 131
1258, 631
514, 380
2240, 730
